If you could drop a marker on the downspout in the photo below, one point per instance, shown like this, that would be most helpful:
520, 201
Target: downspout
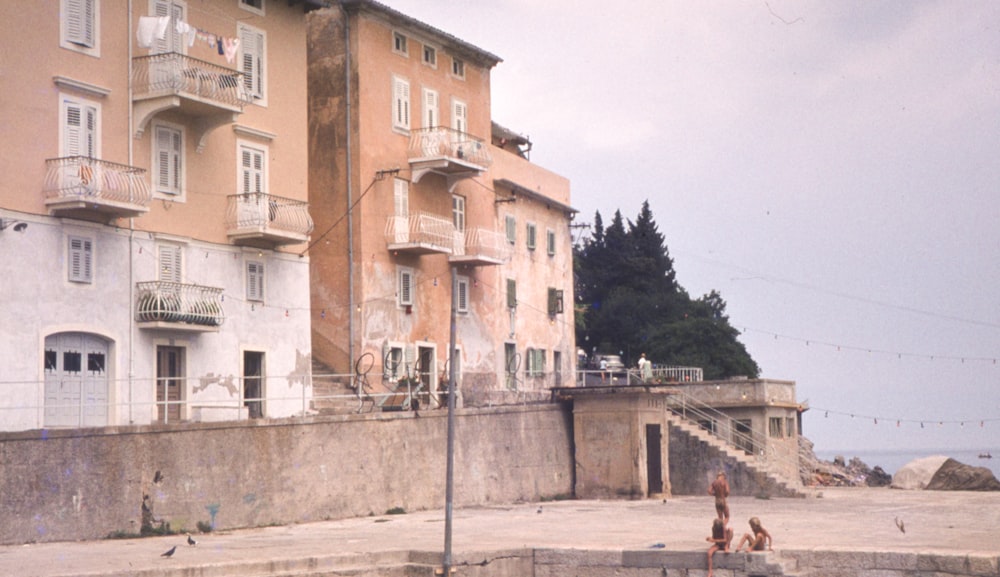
131, 225
350, 215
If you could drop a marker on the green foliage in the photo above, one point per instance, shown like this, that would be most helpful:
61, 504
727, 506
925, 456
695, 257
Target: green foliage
629, 302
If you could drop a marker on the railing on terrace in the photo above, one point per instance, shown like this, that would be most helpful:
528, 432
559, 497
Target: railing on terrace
631, 376
171, 302
482, 242
420, 228
261, 212
71, 178
442, 142
173, 73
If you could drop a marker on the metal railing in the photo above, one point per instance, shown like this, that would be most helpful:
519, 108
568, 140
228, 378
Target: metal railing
421, 228
660, 375
442, 142
261, 212
732, 433
173, 73
94, 180
171, 302
482, 242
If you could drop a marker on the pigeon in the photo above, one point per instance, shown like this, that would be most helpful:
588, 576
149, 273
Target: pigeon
191, 540
539, 510
899, 524
169, 552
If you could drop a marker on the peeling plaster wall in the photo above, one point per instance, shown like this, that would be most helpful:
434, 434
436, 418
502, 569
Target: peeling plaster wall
68, 485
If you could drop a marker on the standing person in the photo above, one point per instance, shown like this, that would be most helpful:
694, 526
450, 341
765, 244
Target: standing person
604, 369
645, 369
758, 540
720, 490
720, 540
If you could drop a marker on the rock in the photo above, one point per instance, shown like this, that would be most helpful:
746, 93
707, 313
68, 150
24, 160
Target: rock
838, 473
917, 473
956, 476
879, 478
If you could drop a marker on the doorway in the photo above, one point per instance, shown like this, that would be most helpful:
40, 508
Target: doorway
169, 383
253, 383
76, 380
654, 460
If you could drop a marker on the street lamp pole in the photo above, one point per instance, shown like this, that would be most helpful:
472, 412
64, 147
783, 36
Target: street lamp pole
449, 492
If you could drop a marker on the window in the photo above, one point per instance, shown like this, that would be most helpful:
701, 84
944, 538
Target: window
458, 212
167, 159
401, 197
511, 363
511, 293
774, 427
399, 45
400, 104
404, 294
430, 56
555, 301
457, 68
550, 241
252, 62
255, 281
81, 259
459, 116
79, 25
255, 6
252, 173
790, 427
430, 108
80, 128
392, 361
510, 224
462, 295
531, 233
536, 362
169, 258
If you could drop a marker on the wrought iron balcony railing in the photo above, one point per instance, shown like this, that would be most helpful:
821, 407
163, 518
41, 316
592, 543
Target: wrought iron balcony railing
84, 183
448, 152
173, 73
481, 246
420, 233
275, 219
170, 302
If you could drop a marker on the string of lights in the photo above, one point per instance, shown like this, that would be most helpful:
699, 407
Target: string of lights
900, 421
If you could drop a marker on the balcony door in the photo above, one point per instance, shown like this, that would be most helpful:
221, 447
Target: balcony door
169, 383
253, 383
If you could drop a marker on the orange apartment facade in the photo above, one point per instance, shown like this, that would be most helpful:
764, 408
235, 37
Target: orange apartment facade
409, 179
153, 212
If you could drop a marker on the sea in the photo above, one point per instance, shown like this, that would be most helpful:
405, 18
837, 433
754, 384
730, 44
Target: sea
893, 460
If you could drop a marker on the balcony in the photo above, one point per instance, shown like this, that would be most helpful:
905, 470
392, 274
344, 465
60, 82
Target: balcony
450, 153
265, 220
420, 234
176, 306
480, 247
83, 187
215, 95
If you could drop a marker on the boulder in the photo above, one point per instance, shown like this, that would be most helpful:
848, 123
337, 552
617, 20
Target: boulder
955, 476
917, 474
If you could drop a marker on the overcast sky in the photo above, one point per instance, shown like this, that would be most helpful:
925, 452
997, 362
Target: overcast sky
832, 168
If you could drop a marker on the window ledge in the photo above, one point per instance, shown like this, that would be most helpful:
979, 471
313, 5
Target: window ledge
81, 86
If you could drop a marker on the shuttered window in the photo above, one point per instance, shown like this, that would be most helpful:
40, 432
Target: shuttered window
458, 212
550, 241
79, 128
400, 104
81, 22
81, 259
459, 116
401, 197
511, 293
252, 170
510, 225
172, 40
532, 232
430, 108
255, 281
405, 291
168, 160
462, 295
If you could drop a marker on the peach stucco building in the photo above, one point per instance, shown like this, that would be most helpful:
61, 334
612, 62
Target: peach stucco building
154, 208
410, 178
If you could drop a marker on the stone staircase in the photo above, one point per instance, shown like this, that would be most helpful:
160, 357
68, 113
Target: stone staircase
746, 471
332, 392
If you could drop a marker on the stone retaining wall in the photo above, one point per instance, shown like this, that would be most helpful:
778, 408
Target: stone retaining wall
62, 485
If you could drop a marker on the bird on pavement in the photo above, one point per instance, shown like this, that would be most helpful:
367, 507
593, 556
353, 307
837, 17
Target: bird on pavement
899, 525
191, 540
169, 552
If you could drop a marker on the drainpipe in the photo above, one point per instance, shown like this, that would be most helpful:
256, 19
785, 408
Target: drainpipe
350, 215
131, 224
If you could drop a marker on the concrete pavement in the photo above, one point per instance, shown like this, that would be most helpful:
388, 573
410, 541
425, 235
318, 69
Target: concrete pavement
834, 519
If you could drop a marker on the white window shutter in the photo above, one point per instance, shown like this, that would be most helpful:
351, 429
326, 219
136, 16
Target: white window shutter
460, 116
252, 61
80, 259
401, 197
80, 18
255, 281
401, 103
430, 108
405, 287
169, 258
